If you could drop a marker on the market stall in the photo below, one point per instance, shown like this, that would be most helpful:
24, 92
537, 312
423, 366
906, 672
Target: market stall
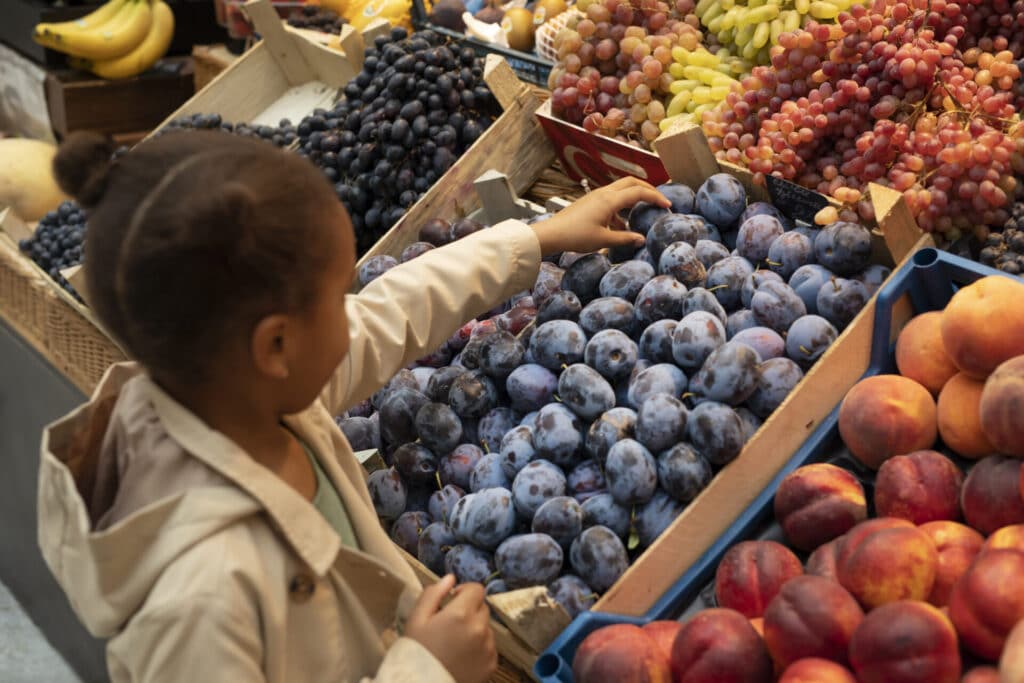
804, 389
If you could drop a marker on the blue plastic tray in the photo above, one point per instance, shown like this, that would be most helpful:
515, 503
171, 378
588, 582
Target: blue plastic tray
930, 278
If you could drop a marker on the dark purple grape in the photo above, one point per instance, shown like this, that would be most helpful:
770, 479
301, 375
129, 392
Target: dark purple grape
599, 557
388, 493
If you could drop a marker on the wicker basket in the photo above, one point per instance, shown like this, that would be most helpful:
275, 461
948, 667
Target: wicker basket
545, 36
25, 295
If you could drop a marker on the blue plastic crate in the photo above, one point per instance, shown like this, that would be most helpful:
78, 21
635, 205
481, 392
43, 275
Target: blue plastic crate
930, 278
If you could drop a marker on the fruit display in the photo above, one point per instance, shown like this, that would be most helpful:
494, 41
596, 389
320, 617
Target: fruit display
927, 587
920, 98
120, 39
416, 107
27, 184
554, 441
284, 134
58, 243
317, 19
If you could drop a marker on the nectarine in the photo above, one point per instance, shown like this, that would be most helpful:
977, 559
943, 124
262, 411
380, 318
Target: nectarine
887, 415
981, 325
921, 355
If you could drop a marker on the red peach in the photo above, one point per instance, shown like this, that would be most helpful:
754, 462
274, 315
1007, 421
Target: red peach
822, 561
1008, 538
664, 634
816, 670
887, 415
905, 642
1002, 405
991, 496
887, 559
988, 601
720, 646
958, 545
816, 503
751, 574
981, 325
923, 486
621, 652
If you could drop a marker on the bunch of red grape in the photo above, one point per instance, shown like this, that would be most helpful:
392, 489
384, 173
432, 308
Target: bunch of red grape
918, 95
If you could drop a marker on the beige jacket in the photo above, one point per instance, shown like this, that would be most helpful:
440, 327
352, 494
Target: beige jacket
200, 565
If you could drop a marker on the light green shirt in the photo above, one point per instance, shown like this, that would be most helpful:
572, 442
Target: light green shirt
328, 503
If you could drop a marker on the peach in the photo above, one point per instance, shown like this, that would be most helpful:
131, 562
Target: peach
1011, 663
958, 545
887, 559
751, 574
991, 496
621, 652
720, 646
981, 674
921, 487
816, 670
905, 642
887, 415
959, 417
664, 634
921, 355
988, 601
1008, 538
981, 325
816, 503
810, 617
1002, 405
822, 561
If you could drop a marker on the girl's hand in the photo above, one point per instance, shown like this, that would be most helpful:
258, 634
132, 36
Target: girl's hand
459, 633
592, 222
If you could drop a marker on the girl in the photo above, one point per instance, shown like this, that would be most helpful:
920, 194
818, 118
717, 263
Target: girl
203, 511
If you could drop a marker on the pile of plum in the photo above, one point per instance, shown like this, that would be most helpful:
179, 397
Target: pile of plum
554, 441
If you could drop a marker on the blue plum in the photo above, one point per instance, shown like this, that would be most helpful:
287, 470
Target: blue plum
710, 252
626, 279
612, 353
682, 197
700, 299
362, 433
443, 501
473, 394
661, 422
721, 199
493, 427
485, 518
587, 477
434, 543
632, 472
679, 260
440, 384
807, 281
536, 483
873, 277
439, 428
756, 235
663, 378
777, 305
584, 276
567, 258
694, 338
415, 462
438, 358
584, 391
738, 321
469, 564
398, 415
729, 375
374, 267
561, 518
765, 209
461, 336
644, 255
614, 426
716, 431
422, 376
500, 354
529, 560
496, 587
406, 530
559, 306
549, 281
557, 343
530, 387
789, 252
683, 472
573, 594
643, 215
414, 250
557, 435
843, 247
660, 298
656, 342
388, 493
754, 281
655, 516
778, 377
751, 422
726, 278
840, 300
457, 467
517, 450
602, 510
488, 473
675, 228
599, 557
607, 313
766, 341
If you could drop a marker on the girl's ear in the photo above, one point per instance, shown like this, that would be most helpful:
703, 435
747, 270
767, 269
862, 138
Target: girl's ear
269, 346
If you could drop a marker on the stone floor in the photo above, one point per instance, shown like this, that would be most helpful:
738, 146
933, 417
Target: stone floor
25, 655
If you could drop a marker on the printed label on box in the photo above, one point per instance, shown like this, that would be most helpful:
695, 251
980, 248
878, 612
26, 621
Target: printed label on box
794, 201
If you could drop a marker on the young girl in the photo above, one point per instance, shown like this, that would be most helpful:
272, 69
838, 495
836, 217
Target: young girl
203, 511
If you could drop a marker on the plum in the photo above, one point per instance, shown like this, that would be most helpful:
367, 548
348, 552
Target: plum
529, 560
644, 255
461, 336
561, 518
602, 510
710, 252
751, 422
488, 473
464, 227
493, 426
777, 306
873, 277
469, 564
418, 498
778, 377
721, 199
656, 342
809, 337
434, 543
613, 426
694, 338
683, 472
764, 340
500, 354
559, 306
557, 343
549, 281
626, 279
790, 251
374, 267
530, 387
567, 258
539, 481
840, 300
496, 587
663, 378
612, 353
517, 450
485, 518
632, 472
807, 281
660, 298
598, 557
398, 415
415, 462
584, 276
406, 530
729, 375
439, 428
362, 433
388, 493
700, 299
438, 358
682, 197
716, 431
765, 209
675, 228
755, 280
726, 278
756, 235
572, 593
457, 467
414, 250
843, 247
473, 394
557, 435
586, 477
443, 501
422, 376
661, 422
655, 516
584, 391
679, 260
436, 231
738, 321
643, 215
607, 313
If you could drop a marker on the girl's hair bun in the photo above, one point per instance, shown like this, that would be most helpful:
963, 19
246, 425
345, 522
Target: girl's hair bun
82, 165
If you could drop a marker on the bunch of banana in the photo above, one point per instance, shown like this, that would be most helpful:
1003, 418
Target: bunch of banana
121, 39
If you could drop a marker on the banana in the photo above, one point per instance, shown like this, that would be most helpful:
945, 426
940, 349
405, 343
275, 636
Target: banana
122, 35
146, 54
95, 19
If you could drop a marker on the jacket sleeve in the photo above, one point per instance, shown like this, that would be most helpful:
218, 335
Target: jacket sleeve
189, 640
408, 661
413, 308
